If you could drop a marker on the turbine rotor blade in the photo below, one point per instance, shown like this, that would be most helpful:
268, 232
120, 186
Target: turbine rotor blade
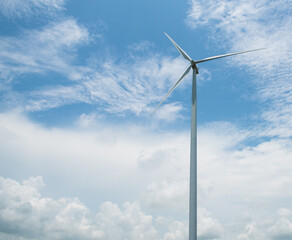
174, 86
227, 55
182, 52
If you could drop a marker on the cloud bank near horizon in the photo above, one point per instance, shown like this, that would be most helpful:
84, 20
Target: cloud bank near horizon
116, 163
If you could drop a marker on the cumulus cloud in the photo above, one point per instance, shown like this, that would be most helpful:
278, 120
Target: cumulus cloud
178, 231
18, 8
282, 229
25, 214
128, 224
250, 181
208, 228
170, 195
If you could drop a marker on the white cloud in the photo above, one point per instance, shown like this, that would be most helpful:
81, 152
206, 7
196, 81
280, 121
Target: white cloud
208, 228
169, 112
250, 180
19, 8
277, 228
252, 24
141, 46
128, 224
55, 96
133, 86
204, 76
282, 229
178, 231
252, 232
169, 195
88, 121
37, 51
99, 157
25, 214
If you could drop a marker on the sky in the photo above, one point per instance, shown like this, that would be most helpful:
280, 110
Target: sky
82, 156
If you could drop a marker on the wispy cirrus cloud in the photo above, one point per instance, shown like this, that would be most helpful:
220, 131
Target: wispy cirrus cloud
133, 86
18, 8
170, 112
253, 24
247, 25
38, 51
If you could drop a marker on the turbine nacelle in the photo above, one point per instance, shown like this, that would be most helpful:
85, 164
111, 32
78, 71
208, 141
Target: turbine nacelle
194, 66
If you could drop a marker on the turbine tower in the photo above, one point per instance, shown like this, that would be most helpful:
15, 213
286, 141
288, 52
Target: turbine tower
193, 160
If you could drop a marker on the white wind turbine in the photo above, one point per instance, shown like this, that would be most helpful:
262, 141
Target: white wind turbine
193, 161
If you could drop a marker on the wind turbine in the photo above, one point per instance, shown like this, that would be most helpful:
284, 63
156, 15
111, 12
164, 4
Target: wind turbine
193, 160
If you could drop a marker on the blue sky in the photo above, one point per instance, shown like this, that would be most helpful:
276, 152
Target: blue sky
79, 146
